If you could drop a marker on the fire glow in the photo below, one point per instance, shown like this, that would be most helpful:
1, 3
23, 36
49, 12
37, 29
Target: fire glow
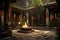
25, 28
25, 25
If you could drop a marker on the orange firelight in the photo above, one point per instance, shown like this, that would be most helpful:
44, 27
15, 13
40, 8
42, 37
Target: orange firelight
25, 25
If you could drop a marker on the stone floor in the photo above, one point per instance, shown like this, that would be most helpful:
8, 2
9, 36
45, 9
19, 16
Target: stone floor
36, 35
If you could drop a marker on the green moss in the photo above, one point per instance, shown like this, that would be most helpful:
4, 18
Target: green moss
37, 2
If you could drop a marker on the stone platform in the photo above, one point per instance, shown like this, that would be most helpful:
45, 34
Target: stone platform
36, 35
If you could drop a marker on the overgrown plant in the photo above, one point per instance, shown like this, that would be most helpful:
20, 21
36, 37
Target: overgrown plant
37, 3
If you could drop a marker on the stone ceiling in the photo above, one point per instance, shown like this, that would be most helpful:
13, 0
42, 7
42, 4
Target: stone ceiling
22, 4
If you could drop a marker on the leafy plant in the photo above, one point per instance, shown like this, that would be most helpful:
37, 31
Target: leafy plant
37, 3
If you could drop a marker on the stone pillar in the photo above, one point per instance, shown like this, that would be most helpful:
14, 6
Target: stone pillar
58, 27
6, 15
0, 21
6, 32
47, 18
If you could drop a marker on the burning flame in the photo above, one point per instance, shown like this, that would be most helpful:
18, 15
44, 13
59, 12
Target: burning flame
25, 25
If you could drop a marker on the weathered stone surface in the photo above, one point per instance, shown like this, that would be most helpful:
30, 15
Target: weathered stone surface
36, 35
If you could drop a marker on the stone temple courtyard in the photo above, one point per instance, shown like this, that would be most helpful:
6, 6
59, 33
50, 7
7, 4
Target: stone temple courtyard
43, 16
36, 35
